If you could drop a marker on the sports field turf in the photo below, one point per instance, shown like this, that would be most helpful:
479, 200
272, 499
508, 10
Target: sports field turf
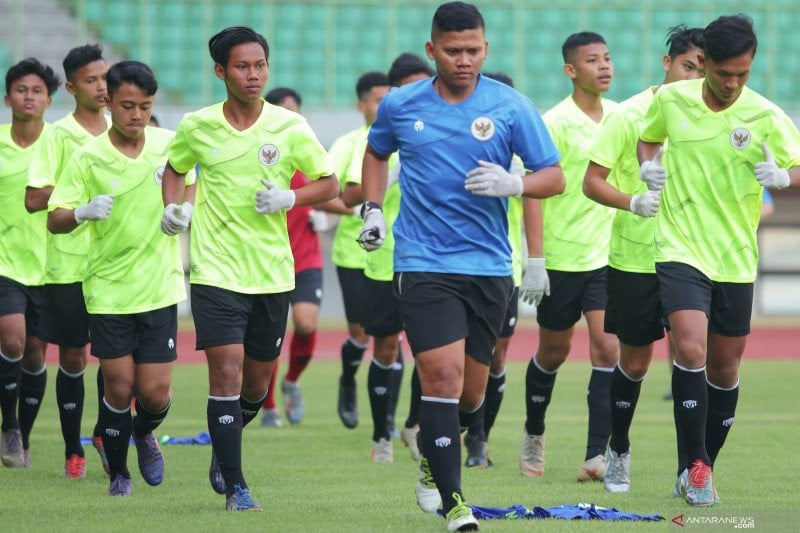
318, 476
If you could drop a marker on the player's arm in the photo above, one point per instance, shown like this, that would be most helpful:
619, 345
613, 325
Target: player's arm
36, 198
64, 220
374, 175
173, 186
597, 188
353, 194
532, 220
535, 281
320, 190
544, 183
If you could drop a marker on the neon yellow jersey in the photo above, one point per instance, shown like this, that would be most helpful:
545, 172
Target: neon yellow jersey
132, 267
711, 203
632, 236
66, 252
347, 153
232, 246
515, 236
576, 230
24, 242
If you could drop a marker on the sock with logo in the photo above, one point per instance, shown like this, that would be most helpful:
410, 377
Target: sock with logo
379, 380
69, 396
721, 410
250, 409
690, 395
599, 401
352, 352
146, 420
538, 391
301, 350
624, 393
225, 428
269, 399
413, 406
441, 440
31, 392
115, 428
395, 384
9, 390
495, 389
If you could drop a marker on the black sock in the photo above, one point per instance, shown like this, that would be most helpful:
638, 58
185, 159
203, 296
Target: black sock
721, 410
413, 406
467, 420
538, 391
495, 388
115, 429
440, 437
69, 396
395, 384
598, 400
683, 459
624, 395
31, 392
352, 352
9, 391
379, 381
146, 420
691, 401
101, 391
250, 409
225, 428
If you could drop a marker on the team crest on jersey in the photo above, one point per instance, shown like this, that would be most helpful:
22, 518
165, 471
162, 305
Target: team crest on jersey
740, 138
419, 126
482, 128
269, 155
158, 175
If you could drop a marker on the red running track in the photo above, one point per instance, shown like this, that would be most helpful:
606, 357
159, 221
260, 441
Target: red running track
763, 343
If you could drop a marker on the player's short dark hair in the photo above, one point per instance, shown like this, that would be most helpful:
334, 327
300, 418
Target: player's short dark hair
276, 95
134, 72
456, 16
407, 64
79, 57
502, 77
576, 40
729, 36
681, 38
369, 80
32, 65
220, 45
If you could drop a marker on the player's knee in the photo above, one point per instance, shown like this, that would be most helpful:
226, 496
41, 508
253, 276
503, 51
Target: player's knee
13, 346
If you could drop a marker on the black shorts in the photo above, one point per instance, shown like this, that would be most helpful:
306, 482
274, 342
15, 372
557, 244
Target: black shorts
439, 309
258, 321
307, 287
634, 313
16, 298
354, 293
382, 317
571, 293
728, 306
512, 313
150, 336
65, 321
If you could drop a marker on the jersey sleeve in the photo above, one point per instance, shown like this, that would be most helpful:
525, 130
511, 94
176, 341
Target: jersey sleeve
44, 163
615, 136
531, 139
654, 129
784, 142
181, 156
309, 156
382, 136
70, 191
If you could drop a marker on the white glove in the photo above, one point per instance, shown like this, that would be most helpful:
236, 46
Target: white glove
769, 174
98, 208
273, 199
176, 218
645, 205
652, 173
490, 179
318, 221
373, 233
535, 282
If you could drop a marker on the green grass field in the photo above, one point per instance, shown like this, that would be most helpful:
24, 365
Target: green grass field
318, 476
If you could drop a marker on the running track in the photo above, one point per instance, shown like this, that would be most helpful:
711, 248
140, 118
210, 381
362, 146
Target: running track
763, 343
